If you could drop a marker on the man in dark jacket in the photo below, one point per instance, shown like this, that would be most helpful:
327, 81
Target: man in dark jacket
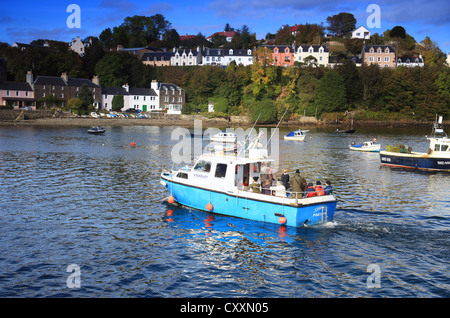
285, 179
298, 185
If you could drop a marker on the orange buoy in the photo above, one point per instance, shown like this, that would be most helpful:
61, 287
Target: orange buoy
132, 144
209, 207
282, 219
171, 199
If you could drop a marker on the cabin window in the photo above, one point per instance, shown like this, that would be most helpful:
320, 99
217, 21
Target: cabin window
203, 165
437, 147
182, 175
444, 147
221, 170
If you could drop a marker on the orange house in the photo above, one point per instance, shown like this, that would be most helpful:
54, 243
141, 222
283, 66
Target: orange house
283, 55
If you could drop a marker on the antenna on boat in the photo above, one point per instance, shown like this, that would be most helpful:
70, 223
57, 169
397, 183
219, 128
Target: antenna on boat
276, 127
248, 137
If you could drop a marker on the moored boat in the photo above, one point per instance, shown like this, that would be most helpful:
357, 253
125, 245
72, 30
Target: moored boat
366, 146
224, 137
437, 157
223, 184
298, 135
96, 130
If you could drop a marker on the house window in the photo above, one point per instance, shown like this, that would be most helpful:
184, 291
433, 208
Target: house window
275, 51
387, 50
7, 93
387, 59
371, 59
17, 93
379, 59
371, 51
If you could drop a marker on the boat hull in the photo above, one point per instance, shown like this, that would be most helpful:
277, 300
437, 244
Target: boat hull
297, 138
365, 149
256, 209
414, 161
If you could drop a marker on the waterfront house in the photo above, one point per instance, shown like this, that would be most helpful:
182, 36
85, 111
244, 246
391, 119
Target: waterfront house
62, 88
382, 55
18, 95
361, 33
158, 97
312, 54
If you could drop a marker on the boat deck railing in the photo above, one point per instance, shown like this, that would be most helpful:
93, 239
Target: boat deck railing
284, 193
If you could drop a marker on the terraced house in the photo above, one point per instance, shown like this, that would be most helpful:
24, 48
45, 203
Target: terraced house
62, 89
312, 54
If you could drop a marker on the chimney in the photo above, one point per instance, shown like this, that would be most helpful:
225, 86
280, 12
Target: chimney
65, 77
154, 85
95, 80
29, 77
127, 88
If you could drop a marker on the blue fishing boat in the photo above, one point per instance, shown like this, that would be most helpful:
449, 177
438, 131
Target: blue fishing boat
226, 183
366, 146
298, 135
437, 158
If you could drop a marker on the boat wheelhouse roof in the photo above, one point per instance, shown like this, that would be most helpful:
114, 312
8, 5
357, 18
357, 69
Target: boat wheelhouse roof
233, 159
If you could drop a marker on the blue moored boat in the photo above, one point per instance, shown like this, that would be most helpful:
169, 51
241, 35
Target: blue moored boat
219, 183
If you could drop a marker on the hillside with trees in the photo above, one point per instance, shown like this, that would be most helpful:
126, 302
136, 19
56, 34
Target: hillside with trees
373, 93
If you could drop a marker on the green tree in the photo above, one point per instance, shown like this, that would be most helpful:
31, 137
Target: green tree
93, 54
341, 24
87, 100
117, 103
352, 81
75, 105
265, 109
330, 95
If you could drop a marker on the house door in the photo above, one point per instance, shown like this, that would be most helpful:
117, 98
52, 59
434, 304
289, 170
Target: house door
144, 108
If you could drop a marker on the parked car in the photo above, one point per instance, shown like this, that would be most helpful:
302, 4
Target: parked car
132, 110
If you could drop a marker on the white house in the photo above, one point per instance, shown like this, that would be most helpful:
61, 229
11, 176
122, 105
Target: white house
361, 33
213, 57
79, 45
143, 99
186, 57
307, 53
410, 61
239, 56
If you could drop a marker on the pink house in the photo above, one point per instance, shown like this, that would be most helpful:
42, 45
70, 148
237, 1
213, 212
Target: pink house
17, 94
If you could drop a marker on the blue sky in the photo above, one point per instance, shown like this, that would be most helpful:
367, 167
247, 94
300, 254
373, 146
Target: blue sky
28, 20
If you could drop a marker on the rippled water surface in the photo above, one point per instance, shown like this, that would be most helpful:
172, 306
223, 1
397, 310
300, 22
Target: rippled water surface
67, 197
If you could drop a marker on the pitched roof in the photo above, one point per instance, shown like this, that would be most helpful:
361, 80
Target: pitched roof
160, 56
376, 47
59, 81
15, 86
228, 34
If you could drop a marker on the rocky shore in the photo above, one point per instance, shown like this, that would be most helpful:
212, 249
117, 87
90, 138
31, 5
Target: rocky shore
47, 119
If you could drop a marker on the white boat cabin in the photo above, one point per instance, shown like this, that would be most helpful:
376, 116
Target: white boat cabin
226, 173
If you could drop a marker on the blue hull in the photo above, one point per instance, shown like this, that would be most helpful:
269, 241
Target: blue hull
252, 209
416, 162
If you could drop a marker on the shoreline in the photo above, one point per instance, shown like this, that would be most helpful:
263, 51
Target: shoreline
188, 121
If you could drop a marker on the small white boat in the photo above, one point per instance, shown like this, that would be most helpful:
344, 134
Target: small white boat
368, 146
96, 130
224, 137
296, 135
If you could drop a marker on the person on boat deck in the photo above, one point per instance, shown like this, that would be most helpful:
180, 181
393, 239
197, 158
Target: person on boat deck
255, 186
328, 188
310, 191
298, 185
279, 190
266, 180
319, 189
285, 179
